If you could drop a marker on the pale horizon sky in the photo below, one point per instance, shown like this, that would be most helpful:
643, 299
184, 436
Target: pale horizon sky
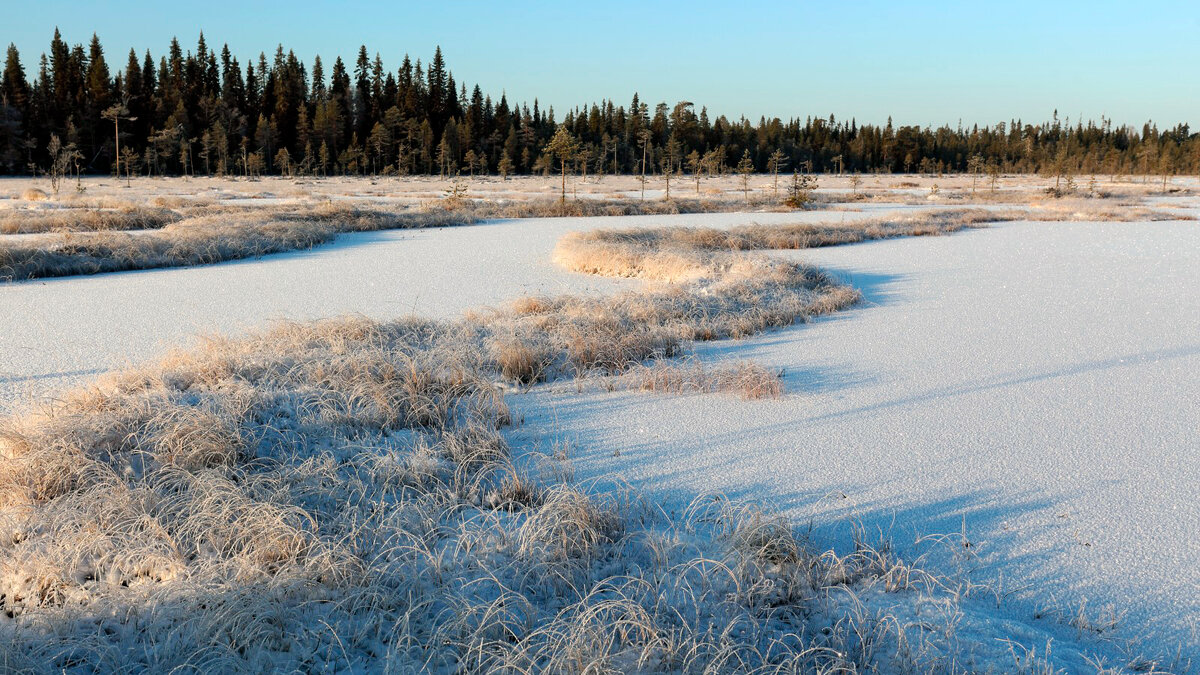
919, 62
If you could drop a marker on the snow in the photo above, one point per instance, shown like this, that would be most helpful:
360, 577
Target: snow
1036, 384
62, 330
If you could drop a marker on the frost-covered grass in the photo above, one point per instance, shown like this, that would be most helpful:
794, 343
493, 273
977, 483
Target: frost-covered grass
682, 253
13, 221
88, 234
685, 253
339, 495
748, 380
118, 236
204, 237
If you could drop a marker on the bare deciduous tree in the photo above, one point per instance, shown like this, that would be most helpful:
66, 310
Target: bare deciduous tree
61, 159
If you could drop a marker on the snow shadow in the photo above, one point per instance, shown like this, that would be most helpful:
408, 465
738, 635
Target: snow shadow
18, 379
877, 288
1128, 360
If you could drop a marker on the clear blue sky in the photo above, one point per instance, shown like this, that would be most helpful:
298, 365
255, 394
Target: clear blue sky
921, 62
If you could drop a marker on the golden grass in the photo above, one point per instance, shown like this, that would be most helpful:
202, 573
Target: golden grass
214, 235
751, 381
84, 220
684, 253
108, 234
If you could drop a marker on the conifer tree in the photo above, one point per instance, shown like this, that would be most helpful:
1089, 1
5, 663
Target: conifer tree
974, 167
205, 103
13, 86
775, 162
644, 137
695, 163
745, 167
115, 114
505, 166
470, 160
563, 147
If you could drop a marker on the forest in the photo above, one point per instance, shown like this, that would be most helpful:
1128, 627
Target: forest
200, 112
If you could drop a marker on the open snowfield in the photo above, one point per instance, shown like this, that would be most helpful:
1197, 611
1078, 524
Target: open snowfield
1034, 386
1037, 384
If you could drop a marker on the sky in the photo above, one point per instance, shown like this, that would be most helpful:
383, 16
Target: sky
917, 62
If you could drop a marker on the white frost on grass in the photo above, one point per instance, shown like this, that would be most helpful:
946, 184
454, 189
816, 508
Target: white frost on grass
65, 330
1006, 454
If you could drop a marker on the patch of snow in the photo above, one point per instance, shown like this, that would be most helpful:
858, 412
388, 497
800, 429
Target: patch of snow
1036, 384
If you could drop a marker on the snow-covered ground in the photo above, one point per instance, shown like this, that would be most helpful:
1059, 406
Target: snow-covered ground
409, 190
65, 329
1037, 384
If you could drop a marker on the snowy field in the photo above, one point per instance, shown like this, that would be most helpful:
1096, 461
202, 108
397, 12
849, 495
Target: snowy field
412, 190
1035, 386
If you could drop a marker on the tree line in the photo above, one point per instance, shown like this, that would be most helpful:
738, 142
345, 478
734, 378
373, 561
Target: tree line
201, 112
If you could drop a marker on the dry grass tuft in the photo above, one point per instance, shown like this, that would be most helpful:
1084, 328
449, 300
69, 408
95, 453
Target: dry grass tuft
179, 202
749, 380
568, 524
84, 220
34, 195
683, 253
522, 361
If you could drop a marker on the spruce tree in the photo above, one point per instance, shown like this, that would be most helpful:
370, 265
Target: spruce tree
505, 166
13, 87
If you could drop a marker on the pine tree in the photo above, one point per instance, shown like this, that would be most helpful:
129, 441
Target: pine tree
695, 163
643, 138
362, 93
115, 114
563, 147
470, 159
14, 110
746, 167
670, 153
974, 167
775, 162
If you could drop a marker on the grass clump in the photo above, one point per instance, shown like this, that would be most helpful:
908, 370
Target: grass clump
24, 221
749, 380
